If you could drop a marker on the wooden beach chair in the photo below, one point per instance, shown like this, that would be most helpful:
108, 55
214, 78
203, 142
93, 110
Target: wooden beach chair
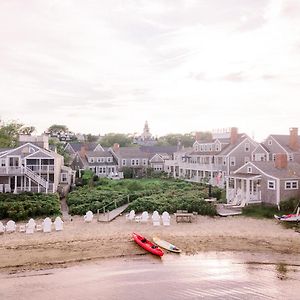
165, 218
156, 218
30, 226
47, 225
88, 216
58, 224
10, 226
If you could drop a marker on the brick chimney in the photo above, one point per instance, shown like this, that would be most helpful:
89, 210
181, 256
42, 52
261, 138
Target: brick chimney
281, 161
293, 141
83, 150
233, 135
116, 147
197, 136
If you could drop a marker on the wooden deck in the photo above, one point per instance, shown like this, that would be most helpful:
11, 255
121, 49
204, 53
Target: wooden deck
225, 211
110, 215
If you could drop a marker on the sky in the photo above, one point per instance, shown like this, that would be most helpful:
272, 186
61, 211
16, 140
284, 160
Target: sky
100, 66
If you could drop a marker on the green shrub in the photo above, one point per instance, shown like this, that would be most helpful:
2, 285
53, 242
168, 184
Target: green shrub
28, 205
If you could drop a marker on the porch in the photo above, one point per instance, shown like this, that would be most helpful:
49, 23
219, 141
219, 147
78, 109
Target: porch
243, 189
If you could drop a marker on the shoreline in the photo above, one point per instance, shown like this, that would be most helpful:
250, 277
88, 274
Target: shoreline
81, 242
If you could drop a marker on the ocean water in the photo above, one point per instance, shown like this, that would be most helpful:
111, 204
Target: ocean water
201, 276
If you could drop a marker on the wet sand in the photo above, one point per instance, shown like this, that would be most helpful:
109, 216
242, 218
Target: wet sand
80, 241
208, 275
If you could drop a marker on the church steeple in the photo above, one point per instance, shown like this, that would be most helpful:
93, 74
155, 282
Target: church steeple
146, 135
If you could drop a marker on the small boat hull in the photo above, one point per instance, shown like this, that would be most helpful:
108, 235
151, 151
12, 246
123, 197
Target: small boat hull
288, 218
166, 245
147, 245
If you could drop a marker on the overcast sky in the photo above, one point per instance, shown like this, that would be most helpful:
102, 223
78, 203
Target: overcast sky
102, 66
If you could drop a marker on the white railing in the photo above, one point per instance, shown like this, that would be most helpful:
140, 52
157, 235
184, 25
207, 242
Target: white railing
38, 179
44, 169
11, 170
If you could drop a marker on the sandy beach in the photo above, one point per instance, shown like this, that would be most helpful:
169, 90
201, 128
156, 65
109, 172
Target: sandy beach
80, 241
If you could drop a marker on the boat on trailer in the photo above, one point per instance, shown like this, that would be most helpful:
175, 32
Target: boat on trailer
147, 245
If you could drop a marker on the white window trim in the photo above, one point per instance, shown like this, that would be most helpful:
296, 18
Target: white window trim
123, 162
291, 182
274, 185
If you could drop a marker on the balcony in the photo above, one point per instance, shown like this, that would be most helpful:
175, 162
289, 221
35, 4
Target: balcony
42, 168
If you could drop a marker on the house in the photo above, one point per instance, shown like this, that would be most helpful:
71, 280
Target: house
75, 147
131, 157
264, 182
32, 168
287, 144
158, 156
100, 161
212, 160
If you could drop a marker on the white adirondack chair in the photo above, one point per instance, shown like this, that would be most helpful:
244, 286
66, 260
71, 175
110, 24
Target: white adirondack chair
30, 226
88, 217
165, 218
144, 217
58, 224
10, 226
131, 215
2, 228
156, 218
47, 225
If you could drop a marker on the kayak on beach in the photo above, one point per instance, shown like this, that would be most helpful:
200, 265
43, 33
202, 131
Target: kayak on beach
166, 245
147, 245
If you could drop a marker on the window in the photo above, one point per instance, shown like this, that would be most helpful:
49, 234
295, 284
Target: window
249, 169
273, 157
91, 159
201, 148
271, 184
123, 162
290, 157
2, 162
132, 162
98, 159
109, 159
137, 162
246, 159
63, 177
232, 161
291, 185
247, 147
269, 142
144, 162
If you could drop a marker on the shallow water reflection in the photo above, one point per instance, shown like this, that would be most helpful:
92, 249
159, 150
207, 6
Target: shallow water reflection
204, 276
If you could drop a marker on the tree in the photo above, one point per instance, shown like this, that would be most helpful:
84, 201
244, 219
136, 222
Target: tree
57, 128
28, 130
173, 139
112, 138
60, 148
9, 134
91, 138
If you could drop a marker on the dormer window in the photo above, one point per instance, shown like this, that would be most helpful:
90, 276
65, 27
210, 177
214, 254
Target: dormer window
91, 159
247, 147
269, 142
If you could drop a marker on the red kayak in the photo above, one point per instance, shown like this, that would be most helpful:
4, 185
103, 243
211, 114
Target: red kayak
147, 245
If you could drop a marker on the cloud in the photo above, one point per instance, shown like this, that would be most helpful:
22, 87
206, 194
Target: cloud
235, 77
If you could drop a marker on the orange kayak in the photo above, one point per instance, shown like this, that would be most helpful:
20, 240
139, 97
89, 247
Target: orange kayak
147, 245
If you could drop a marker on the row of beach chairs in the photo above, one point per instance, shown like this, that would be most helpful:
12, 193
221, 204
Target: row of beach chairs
144, 217
32, 226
